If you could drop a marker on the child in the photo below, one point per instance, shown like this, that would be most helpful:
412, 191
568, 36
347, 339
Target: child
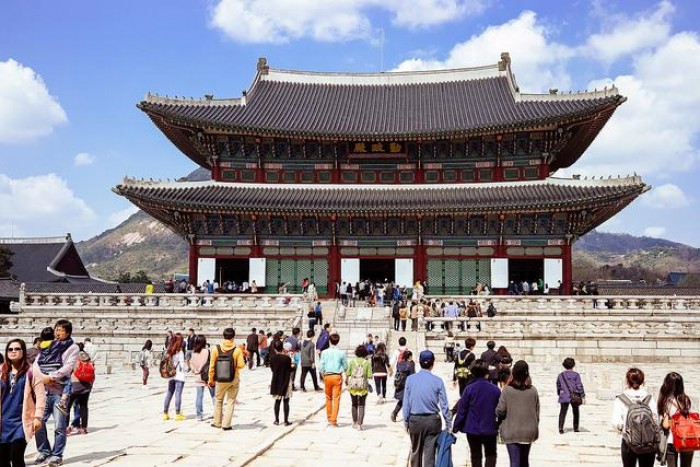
50, 360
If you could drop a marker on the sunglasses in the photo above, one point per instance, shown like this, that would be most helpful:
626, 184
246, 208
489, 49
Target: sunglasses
14, 349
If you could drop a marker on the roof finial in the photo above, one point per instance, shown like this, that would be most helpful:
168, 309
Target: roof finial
263, 67
504, 64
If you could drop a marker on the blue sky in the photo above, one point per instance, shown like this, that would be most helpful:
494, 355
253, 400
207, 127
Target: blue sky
71, 73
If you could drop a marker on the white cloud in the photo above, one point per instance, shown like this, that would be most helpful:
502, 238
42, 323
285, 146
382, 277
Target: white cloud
41, 205
668, 196
628, 35
538, 62
280, 21
118, 217
655, 232
27, 110
82, 159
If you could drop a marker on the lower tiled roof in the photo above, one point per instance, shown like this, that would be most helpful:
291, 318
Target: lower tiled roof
547, 194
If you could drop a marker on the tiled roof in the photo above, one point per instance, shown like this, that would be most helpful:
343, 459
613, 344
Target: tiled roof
39, 259
370, 106
214, 196
10, 289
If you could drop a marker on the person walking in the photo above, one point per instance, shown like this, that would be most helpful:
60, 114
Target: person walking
281, 384
358, 374
381, 370
518, 414
54, 383
263, 347
22, 402
570, 391
405, 367
490, 356
82, 380
461, 374
251, 345
176, 383
332, 365
403, 315
224, 375
308, 361
635, 393
201, 356
475, 416
673, 400
145, 359
425, 398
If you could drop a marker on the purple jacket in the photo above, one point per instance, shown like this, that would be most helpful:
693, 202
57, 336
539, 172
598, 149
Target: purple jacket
574, 382
476, 411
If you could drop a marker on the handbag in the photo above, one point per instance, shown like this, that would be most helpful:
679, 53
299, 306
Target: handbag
576, 398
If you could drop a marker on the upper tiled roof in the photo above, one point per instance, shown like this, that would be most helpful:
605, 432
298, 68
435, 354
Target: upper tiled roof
546, 194
44, 259
380, 105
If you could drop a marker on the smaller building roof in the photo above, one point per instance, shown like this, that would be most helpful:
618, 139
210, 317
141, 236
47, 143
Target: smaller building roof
45, 259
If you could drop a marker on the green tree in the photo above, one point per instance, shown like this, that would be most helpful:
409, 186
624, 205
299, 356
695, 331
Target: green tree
139, 277
5, 261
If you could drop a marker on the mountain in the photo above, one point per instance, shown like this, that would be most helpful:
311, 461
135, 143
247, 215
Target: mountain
143, 243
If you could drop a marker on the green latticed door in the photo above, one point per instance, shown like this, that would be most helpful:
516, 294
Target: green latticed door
292, 271
457, 276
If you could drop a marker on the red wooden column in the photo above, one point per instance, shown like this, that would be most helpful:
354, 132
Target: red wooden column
566, 271
193, 263
419, 266
333, 269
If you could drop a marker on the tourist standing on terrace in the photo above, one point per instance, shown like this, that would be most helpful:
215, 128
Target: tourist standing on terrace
200, 367
568, 383
332, 365
634, 393
281, 383
673, 400
518, 414
475, 415
176, 383
68, 351
22, 402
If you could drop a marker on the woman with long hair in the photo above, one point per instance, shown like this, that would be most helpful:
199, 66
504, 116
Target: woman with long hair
518, 414
381, 370
281, 384
176, 383
634, 393
673, 400
144, 361
505, 361
23, 399
200, 367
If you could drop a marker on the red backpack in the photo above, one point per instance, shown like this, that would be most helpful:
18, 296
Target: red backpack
85, 372
686, 431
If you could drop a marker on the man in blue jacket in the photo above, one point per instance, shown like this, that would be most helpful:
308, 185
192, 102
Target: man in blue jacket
476, 415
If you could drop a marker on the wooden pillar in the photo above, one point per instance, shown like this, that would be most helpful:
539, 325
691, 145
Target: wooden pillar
566, 271
333, 269
193, 263
419, 266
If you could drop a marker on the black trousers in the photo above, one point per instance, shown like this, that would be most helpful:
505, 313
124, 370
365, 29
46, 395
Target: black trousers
380, 385
686, 457
12, 454
82, 399
306, 370
255, 352
424, 431
562, 415
630, 458
489, 444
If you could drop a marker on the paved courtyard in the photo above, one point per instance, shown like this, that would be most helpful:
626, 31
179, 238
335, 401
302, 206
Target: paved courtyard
126, 426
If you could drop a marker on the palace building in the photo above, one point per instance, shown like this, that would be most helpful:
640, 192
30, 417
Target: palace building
442, 176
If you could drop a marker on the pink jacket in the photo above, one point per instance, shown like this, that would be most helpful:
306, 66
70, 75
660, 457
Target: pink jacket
32, 409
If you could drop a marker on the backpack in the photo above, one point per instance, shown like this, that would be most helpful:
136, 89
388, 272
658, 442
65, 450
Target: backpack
400, 380
369, 348
491, 311
686, 431
641, 430
357, 380
400, 357
204, 372
462, 370
322, 342
85, 372
224, 372
167, 369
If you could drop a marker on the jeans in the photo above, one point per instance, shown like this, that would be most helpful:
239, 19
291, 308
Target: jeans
263, 356
198, 401
519, 454
61, 421
630, 458
489, 444
13, 453
380, 385
174, 387
562, 415
76, 414
396, 323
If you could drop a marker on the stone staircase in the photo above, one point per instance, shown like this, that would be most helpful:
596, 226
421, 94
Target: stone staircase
355, 323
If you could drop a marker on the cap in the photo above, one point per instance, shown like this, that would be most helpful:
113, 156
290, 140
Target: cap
427, 356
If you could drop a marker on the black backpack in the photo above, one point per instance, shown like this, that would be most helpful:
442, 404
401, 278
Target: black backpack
400, 380
224, 371
204, 372
491, 311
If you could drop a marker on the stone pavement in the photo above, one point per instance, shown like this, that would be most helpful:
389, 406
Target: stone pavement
126, 426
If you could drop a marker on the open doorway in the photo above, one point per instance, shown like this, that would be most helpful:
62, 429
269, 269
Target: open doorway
530, 270
378, 270
232, 270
